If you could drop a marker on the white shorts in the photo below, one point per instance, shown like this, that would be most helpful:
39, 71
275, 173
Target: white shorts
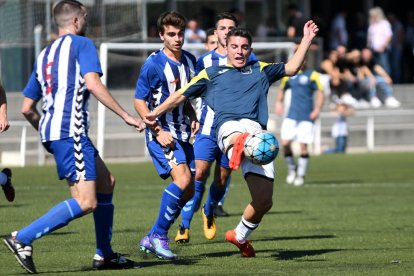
301, 131
241, 126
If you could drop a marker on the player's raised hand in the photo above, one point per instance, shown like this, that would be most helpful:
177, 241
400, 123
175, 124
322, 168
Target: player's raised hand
310, 30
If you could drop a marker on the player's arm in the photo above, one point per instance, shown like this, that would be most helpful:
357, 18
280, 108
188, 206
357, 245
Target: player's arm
195, 124
295, 63
170, 103
102, 94
30, 112
279, 109
320, 97
4, 123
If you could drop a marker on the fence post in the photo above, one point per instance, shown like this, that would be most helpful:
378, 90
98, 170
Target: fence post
370, 133
317, 142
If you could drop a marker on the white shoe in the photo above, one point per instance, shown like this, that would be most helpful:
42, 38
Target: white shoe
299, 181
363, 104
290, 177
392, 102
349, 100
375, 102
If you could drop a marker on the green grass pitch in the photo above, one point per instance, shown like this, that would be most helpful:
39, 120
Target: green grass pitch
354, 216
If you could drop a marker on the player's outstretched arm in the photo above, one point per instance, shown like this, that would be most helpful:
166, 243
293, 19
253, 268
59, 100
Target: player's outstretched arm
4, 123
30, 112
171, 102
96, 87
295, 63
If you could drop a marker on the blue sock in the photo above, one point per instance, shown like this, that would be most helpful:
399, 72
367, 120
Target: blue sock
169, 208
221, 202
188, 211
214, 196
104, 219
57, 217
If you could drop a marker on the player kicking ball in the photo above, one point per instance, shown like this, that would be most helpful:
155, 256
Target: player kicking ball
237, 92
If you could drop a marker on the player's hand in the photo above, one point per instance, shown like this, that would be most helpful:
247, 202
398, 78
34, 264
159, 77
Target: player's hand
310, 30
195, 127
141, 126
150, 118
314, 115
165, 139
4, 125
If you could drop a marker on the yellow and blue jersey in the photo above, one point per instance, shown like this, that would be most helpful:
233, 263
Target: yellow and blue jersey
236, 93
302, 85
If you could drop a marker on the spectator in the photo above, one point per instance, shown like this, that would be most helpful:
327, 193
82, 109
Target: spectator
397, 47
379, 37
382, 81
295, 22
194, 34
358, 33
266, 28
339, 33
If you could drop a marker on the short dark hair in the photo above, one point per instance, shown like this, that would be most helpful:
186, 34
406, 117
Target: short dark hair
65, 8
171, 18
227, 15
239, 32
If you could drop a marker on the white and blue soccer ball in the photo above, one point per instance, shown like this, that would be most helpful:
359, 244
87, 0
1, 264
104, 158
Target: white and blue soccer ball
261, 147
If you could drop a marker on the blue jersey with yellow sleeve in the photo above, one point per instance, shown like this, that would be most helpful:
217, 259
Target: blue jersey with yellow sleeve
302, 85
236, 93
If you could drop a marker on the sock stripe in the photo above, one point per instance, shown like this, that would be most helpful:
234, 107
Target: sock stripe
69, 208
171, 194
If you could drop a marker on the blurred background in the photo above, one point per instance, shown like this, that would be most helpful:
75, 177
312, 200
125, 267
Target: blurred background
26, 26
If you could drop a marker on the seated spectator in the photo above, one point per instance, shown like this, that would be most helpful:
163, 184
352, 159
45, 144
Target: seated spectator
382, 81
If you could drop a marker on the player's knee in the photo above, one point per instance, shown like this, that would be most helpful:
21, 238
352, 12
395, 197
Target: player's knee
88, 205
201, 175
262, 206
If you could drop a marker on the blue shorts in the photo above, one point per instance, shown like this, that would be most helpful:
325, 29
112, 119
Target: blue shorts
182, 153
72, 164
206, 149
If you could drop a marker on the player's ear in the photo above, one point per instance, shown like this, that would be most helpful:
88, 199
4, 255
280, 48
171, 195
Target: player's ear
161, 36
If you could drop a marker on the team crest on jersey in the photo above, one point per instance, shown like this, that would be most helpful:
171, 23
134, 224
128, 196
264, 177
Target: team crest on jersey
303, 79
246, 70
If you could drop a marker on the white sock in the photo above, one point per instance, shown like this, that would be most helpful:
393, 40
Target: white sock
290, 161
3, 178
244, 229
303, 165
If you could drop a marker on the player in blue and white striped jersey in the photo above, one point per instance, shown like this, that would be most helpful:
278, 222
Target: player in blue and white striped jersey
65, 74
163, 73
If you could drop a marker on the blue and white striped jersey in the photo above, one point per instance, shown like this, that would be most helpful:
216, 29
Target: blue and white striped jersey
204, 113
58, 77
159, 78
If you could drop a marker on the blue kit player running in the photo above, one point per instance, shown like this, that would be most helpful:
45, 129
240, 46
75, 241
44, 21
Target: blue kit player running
206, 149
164, 72
65, 74
237, 92
299, 122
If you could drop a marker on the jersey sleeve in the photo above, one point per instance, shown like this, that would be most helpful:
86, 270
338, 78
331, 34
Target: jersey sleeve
88, 57
196, 87
33, 89
147, 81
273, 71
316, 81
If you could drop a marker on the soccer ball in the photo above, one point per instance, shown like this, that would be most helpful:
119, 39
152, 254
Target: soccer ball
261, 147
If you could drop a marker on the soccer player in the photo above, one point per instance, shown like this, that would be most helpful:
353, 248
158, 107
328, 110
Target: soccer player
6, 173
206, 149
237, 92
299, 122
211, 40
65, 74
164, 72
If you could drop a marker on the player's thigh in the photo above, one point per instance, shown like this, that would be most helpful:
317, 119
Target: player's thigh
74, 157
165, 158
305, 132
231, 128
260, 187
288, 130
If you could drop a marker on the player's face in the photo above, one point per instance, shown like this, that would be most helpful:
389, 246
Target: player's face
238, 51
223, 26
211, 43
173, 38
82, 23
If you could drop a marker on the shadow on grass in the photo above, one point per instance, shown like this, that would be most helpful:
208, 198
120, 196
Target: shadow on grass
296, 254
268, 213
330, 182
12, 205
296, 238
